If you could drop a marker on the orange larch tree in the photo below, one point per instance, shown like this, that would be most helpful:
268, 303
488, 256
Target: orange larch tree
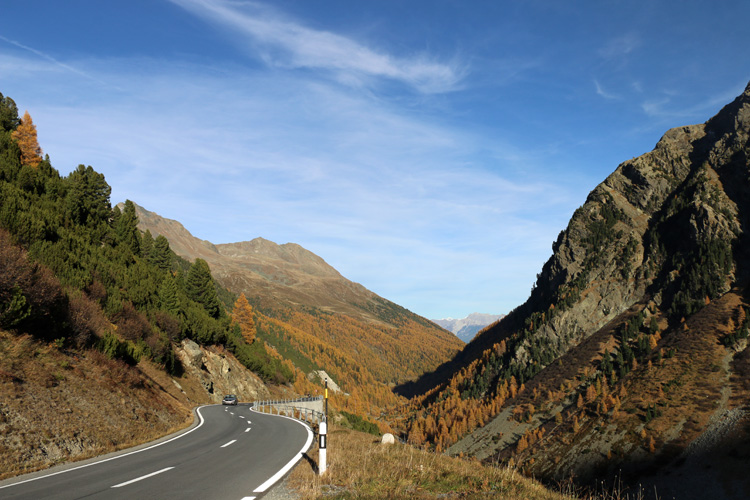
242, 315
25, 136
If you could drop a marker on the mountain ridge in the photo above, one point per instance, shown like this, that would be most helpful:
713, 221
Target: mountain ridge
314, 316
466, 328
636, 319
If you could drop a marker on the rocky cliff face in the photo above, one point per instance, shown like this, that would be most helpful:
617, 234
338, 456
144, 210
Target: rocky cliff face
661, 228
630, 346
217, 373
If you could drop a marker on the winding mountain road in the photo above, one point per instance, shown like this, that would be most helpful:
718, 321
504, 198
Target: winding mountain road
232, 453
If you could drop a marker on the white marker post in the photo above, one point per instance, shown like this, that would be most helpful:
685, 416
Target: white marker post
323, 431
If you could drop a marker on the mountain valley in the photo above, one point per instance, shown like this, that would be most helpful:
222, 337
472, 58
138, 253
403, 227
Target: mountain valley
627, 365
314, 316
467, 328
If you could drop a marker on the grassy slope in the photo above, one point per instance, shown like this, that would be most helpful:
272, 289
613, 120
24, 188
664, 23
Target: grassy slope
360, 467
62, 405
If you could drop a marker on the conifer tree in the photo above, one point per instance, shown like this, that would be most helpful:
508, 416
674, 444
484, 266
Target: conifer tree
25, 136
8, 113
147, 245
522, 444
161, 255
242, 315
168, 295
591, 394
87, 201
127, 228
200, 288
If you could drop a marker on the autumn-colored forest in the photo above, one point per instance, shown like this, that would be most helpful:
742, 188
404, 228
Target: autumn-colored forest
364, 358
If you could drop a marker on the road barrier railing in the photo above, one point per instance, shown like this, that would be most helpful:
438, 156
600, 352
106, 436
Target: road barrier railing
310, 409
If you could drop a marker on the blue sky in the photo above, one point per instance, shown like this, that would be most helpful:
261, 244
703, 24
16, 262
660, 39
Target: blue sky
430, 150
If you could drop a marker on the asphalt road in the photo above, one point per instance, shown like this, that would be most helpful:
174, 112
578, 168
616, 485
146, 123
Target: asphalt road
233, 453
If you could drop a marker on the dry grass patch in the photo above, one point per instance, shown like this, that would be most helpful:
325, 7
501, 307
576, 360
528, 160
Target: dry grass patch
58, 405
359, 467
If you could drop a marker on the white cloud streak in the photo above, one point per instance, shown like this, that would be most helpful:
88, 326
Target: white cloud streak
391, 200
603, 93
48, 57
670, 106
285, 43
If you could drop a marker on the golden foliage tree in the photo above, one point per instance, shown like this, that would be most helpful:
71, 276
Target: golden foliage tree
242, 315
25, 136
416, 435
591, 394
522, 444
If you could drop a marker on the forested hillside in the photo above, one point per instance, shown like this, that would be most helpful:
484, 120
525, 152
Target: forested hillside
80, 273
318, 319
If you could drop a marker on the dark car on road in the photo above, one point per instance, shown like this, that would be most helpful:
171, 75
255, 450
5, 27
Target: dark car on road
229, 399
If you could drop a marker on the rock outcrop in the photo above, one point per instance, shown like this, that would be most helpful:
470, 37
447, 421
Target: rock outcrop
219, 373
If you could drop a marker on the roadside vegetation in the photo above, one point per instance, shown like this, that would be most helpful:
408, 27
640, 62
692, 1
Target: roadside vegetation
61, 404
361, 467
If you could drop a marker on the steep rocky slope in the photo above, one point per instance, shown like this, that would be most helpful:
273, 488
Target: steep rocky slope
631, 345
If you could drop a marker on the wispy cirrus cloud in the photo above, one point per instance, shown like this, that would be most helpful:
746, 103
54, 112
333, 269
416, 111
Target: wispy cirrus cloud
673, 105
603, 93
285, 43
620, 46
51, 59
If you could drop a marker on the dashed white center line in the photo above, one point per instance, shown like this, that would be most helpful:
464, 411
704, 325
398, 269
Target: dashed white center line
247, 430
230, 442
142, 477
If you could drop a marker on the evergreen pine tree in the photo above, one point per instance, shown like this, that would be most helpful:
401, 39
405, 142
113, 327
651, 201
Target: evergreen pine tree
161, 255
199, 287
127, 228
8, 113
169, 296
147, 246
87, 202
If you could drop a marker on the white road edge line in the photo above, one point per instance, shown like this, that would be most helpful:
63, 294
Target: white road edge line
198, 411
230, 442
272, 480
142, 478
